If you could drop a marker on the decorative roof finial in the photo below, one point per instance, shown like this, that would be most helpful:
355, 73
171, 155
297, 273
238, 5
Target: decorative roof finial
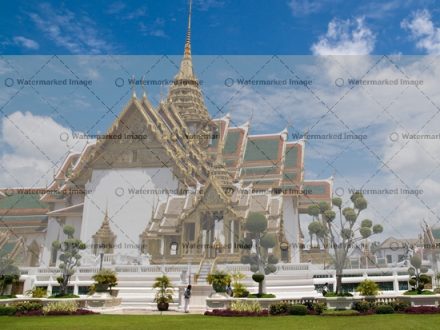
251, 117
144, 92
188, 32
133, 89
161, 93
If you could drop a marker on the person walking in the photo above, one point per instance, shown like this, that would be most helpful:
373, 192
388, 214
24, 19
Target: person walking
229, 290
324, 289
187, 296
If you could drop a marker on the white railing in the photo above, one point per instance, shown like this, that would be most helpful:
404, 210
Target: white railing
150, 269
234, 268
293, 267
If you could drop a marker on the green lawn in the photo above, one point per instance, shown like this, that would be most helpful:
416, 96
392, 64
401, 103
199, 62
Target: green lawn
193, 322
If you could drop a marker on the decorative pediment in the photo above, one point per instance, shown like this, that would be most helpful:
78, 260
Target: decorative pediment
212, 196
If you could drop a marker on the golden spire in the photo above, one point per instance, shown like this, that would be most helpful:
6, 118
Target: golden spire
188, 32
185, 92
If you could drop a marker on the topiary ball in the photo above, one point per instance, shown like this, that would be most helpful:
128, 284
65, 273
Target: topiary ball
258, 277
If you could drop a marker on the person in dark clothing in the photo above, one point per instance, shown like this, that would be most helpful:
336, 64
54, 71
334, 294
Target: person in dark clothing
324, 289
187, 296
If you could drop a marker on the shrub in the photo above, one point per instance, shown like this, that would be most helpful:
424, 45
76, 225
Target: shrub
279, 308
27, 306
297, 309
362, 306
36, 312
319, 307
368, 288
229, 312
105, 277
417, 273
37, 292
60, 307
7, 310
384, 309
244, 306
258, 277
422, 310
415, 292
82, 311
240, 291
219, 280
400, 305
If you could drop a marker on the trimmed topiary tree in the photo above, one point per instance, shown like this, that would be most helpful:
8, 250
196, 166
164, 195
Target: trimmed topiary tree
69, 257
343, 235
261, 262
9, 273
417, 273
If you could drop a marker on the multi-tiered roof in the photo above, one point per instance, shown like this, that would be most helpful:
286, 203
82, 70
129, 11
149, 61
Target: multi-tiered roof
250, 172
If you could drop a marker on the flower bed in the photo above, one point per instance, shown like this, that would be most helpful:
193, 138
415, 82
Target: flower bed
32, 308
422, 310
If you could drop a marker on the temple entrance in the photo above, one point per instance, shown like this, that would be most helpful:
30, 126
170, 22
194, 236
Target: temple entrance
212, 231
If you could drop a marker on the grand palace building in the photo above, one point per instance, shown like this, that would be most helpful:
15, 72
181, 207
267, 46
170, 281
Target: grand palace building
169, 184
166, 186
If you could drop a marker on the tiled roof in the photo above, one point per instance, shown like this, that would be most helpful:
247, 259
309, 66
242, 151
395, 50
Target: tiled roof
22, 201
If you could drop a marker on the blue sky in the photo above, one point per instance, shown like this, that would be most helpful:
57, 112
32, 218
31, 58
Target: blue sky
219, 26
254, 30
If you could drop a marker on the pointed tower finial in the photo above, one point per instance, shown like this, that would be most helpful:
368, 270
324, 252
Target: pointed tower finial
188, 32
133, 89
144, 92
106, 219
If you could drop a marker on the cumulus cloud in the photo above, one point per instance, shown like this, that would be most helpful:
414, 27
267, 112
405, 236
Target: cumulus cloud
77, 34
381, 113
422, 30
26, 42
38, 146
345, 37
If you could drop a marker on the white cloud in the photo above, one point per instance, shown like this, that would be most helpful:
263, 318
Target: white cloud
345, 37
37, 149
77, 34
422, 29
26, 43
305, 7
378, 110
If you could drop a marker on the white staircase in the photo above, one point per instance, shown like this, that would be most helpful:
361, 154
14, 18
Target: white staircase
204, 271
136, 289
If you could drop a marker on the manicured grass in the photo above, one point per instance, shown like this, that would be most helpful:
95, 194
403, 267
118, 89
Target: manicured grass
194, 322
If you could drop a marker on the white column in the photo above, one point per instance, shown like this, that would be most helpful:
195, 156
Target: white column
232, 240
291, 227
395, 282
162, 246
203, 240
